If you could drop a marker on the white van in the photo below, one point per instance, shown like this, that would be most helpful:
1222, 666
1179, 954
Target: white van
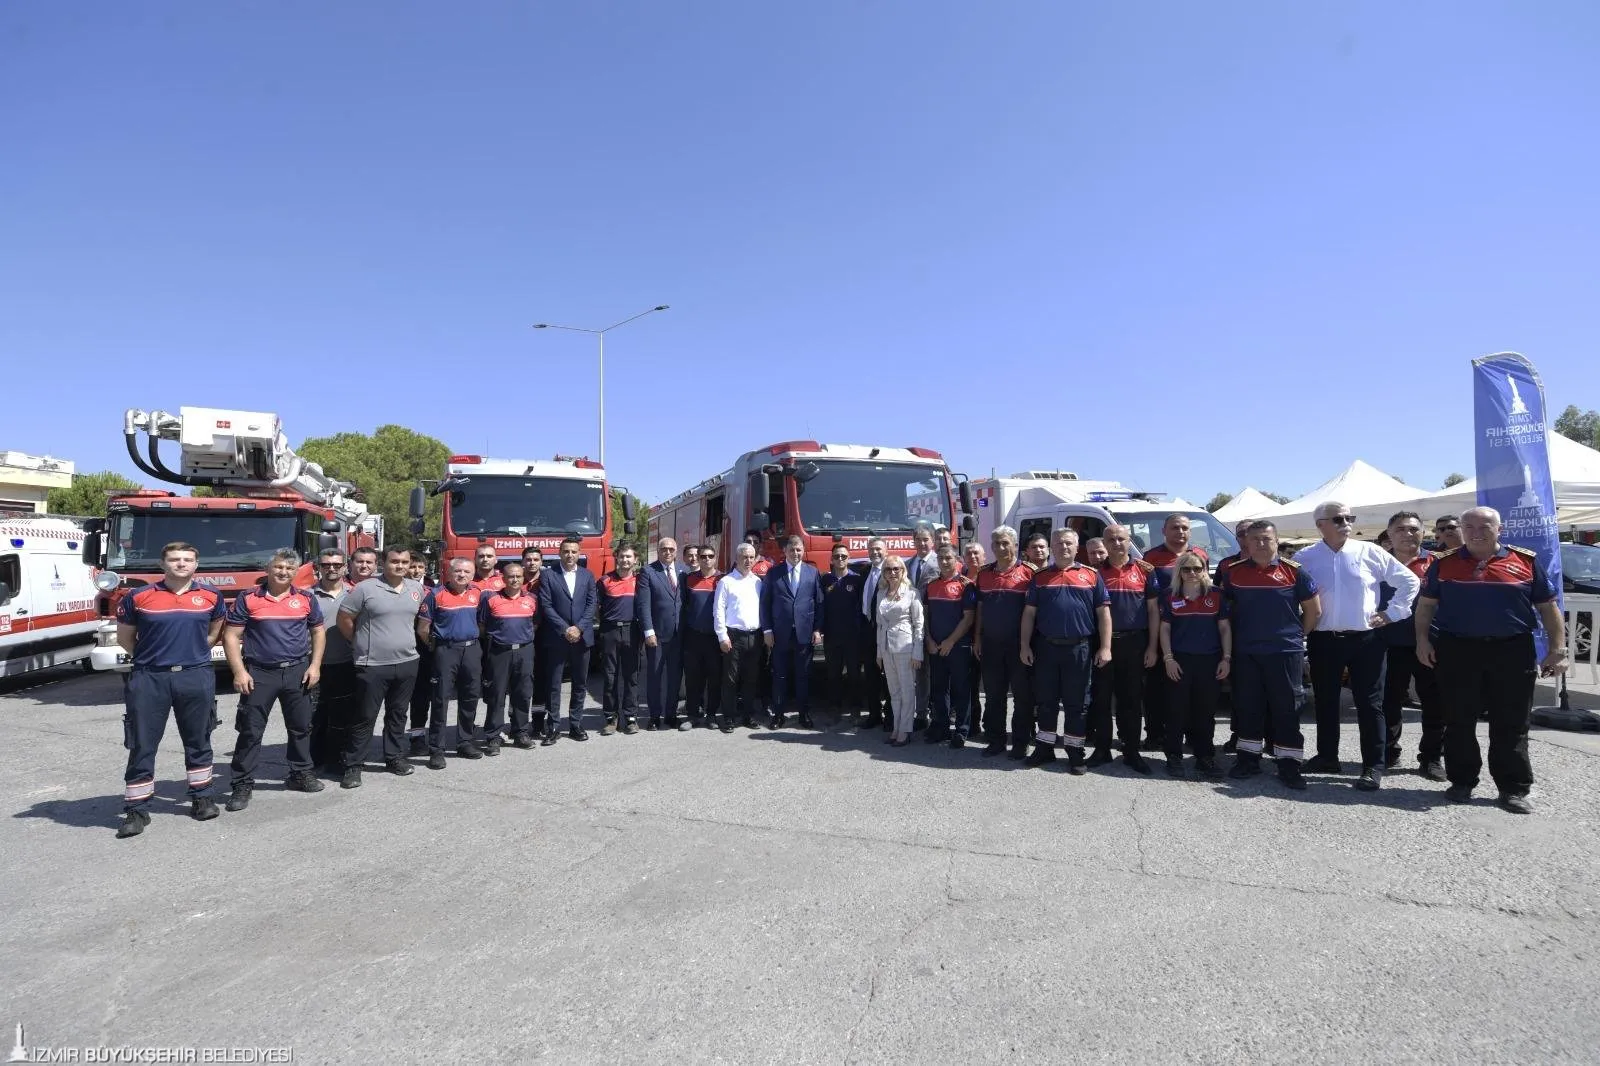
1041, 501
47, 595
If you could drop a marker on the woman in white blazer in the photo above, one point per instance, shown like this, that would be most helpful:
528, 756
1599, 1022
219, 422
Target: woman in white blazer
899, 644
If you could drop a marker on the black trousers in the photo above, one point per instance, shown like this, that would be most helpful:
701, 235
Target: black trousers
1002, 671
285, 686
741, 674
1192, 705
702, 670
619, 672
789, 664
875, 686
510, 677
1363, 654
1398, 673
541, 673
457, 675
950, 689
573, 659
1120, 681
842, 666
975, 704
663, 669
1266, 698
1156, 694
1061, 686
422, 691
1497, 676
335, 713
385, 689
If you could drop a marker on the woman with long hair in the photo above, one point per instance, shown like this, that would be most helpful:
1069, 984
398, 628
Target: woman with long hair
1197, 648
899, 644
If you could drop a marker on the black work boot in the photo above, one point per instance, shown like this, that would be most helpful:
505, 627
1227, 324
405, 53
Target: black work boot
133, 823
239, 798
203, 809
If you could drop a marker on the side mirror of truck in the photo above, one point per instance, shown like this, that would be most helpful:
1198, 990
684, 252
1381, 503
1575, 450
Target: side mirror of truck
761, 490
627, 527
964, 491
627, 507
327, 541
759, 522
91, 548
969, 524
416, 526
806, 471
419, 502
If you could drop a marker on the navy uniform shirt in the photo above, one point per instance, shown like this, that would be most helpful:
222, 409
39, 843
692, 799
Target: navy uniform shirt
174, 628
1065, 599
1129, 587
1194, 622
1002, 594
700, 596
618, 599
841, 604
276, 630
1264, 606
1492, 598
1403, 634
944, 602
454, 615
508, 619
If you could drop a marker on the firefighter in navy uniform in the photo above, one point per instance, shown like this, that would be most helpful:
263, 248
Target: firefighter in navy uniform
451, 611
841, 630
1486, 599
1232, 743
508, 619
168, 629
996, 644
1066, 632
1129, 582
619, 639
702, 659
1272, 604
274, 643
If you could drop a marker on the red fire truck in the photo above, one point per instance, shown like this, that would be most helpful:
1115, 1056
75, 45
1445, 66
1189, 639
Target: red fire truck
276, 500
514, 504
826, 493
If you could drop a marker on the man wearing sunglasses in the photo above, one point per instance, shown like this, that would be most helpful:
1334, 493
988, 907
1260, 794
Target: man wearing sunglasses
1349, 572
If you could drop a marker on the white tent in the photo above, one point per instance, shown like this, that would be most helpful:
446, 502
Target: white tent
1574, 470
1370, 494
1249, 503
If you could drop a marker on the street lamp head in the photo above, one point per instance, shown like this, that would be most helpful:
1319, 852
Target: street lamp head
541, 325
661, 307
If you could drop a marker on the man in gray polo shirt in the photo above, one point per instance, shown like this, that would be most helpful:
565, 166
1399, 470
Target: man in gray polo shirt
379, 619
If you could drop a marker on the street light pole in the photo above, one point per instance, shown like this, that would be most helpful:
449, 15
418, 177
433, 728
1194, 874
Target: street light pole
600, 335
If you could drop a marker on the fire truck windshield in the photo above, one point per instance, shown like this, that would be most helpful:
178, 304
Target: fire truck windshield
519, 506
230, 540
865, 497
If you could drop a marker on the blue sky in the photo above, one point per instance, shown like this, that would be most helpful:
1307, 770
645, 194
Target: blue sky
1189, 246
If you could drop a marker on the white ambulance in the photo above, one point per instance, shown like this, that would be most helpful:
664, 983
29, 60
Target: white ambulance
47, 595
1038, 502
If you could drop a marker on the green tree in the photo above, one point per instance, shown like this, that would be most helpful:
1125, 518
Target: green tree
1276, 497
1581, 426
1218, 502
385, 466
1452, 480
87, 494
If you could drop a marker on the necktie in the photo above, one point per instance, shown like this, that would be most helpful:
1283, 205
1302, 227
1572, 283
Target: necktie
794, 579
870, 607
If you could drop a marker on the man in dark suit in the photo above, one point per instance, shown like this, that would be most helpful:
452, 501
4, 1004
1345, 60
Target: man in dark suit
660, 610
841, 630
791, 617
567, 600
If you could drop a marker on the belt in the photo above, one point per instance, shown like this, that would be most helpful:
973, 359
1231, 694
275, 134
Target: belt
1066, 642
1342, 632
1485, 640
499, 646
277, 666
169, 669
608, 627
1128, 633
744, 632
455, 643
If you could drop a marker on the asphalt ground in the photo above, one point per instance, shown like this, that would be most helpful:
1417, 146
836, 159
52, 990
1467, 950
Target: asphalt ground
790, 897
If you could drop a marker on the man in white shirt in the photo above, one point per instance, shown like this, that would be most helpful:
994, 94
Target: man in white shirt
1348, 573
736, 618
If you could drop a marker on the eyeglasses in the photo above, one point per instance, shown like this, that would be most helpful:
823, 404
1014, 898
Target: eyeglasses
330, 566
1341, 519
1191, 569
894, 569
1447, 527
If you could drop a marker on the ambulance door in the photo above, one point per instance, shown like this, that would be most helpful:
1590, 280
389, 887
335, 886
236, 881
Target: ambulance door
15, 605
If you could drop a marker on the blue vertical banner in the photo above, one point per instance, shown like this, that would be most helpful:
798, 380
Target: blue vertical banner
1513, 456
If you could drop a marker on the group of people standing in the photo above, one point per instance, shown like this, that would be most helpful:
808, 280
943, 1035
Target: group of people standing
1089, 651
